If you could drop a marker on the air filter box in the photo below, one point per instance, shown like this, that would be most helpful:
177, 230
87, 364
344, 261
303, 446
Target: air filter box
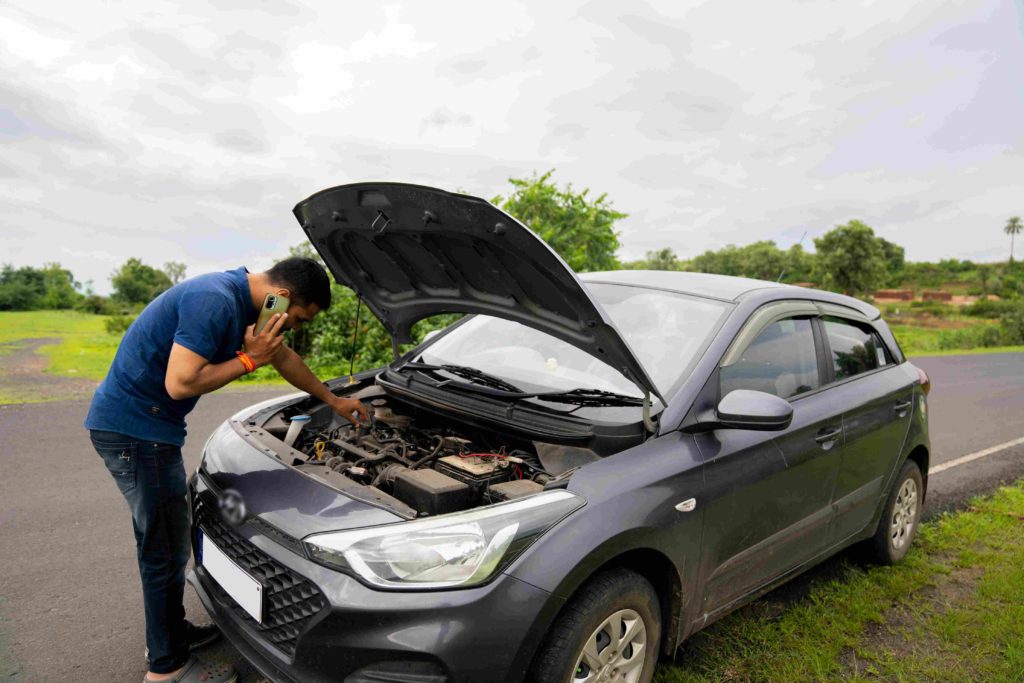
431, 492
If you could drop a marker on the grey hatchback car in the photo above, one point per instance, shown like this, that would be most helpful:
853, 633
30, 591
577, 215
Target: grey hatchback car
570, 480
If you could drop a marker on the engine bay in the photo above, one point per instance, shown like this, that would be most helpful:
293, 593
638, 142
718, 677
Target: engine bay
411, 463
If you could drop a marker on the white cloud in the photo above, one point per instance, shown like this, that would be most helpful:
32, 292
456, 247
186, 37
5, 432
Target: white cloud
188, 132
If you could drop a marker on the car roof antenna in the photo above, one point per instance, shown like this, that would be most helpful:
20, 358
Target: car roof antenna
355, 338
784, 267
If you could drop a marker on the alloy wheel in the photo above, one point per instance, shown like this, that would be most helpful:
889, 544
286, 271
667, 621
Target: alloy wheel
614, 652
904, 514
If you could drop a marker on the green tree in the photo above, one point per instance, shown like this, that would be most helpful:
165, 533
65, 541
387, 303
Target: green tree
21, 289
136, 283
61, 288
762, 260
799, 265
894, 256
850, 259
984, 278
1013, 228
726, 261
662, 259
175, 271
581, 229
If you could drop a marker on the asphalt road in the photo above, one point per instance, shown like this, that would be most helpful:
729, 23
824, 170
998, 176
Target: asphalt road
70, 601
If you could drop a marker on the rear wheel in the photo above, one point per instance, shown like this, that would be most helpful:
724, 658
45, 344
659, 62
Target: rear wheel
608, 633
900, 517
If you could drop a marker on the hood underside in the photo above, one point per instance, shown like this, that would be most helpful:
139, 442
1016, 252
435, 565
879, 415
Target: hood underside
411, 251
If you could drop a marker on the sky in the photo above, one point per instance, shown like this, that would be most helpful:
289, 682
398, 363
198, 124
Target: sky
187, 132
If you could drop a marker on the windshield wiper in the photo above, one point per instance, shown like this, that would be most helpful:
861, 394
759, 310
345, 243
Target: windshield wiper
591, 398
478, 376
588, 398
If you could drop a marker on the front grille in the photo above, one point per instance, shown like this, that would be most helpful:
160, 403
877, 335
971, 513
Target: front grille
290, 600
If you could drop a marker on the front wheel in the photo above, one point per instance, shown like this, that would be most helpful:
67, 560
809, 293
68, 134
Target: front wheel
608, 633
900, 517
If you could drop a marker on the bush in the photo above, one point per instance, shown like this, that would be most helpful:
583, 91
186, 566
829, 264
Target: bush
1011, 323
982, 336
118, 324
985, 308
94, 303
936, 308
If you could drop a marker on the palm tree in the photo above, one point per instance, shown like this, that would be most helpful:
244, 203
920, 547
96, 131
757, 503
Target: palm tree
1013, 227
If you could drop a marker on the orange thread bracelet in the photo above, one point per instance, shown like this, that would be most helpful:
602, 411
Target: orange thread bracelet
246, 361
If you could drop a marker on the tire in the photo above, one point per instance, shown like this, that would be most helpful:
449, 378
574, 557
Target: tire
581, 646
900, 517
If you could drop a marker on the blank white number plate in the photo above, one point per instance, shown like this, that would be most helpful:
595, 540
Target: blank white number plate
246, 590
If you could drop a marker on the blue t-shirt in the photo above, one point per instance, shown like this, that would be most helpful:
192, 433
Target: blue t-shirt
207, 314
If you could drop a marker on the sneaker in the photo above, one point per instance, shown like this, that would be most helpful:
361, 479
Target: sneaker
197, 636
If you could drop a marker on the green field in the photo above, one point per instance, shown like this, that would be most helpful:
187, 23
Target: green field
85, 349
925, 341
952, 611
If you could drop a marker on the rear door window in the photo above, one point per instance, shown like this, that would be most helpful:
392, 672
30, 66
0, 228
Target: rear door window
855, 349
780, 361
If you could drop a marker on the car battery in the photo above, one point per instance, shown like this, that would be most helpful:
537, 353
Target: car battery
478, 471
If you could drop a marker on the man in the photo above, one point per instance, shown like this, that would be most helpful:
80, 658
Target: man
192, 339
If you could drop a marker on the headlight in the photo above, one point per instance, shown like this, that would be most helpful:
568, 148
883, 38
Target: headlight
455, 550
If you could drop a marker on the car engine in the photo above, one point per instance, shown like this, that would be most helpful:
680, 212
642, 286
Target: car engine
432, 470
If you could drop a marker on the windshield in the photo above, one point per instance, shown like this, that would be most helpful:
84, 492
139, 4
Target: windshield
666, 331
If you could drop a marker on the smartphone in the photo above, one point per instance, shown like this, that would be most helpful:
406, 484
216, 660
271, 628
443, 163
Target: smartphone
274, 303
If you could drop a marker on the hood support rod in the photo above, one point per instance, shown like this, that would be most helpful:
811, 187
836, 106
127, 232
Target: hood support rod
649, 424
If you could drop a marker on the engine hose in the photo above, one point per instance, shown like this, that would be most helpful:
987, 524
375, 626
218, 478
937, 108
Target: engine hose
433, 454
337, 464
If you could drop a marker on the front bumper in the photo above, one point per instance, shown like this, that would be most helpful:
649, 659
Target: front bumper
321, 625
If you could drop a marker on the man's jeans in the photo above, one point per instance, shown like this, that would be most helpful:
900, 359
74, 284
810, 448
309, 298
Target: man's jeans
151, 477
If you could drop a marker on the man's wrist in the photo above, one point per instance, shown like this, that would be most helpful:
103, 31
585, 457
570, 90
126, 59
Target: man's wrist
247, 362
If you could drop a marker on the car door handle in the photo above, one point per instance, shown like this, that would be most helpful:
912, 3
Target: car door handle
901, 408
826, 437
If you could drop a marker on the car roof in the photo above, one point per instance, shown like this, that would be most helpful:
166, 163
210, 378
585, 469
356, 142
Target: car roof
722, 287
699, 284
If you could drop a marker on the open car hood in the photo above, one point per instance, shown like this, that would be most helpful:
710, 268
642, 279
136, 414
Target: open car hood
411, 251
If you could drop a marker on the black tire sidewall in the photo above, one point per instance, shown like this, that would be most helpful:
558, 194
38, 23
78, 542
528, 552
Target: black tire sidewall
600, 597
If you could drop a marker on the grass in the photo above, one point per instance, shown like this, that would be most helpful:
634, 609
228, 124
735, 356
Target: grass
951, 611
85, 349
10, 671
918, 340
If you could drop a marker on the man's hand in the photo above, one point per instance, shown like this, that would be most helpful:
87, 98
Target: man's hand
264, 347
346, 406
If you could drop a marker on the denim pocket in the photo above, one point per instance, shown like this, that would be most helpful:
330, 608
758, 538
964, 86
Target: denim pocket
120, 459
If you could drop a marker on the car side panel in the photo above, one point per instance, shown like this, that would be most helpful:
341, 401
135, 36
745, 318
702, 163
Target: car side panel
875, 424
767, 501
631, 505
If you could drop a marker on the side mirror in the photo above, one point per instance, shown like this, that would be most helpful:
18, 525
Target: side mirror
746, 409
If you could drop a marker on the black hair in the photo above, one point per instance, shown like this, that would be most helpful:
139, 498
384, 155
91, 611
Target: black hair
306, 279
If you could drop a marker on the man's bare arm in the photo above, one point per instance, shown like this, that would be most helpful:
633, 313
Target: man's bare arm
189, 374
297, 373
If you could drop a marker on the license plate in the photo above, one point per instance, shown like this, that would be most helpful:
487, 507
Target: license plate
246, 591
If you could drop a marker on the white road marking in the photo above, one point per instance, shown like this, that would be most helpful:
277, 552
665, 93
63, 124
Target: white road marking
974, 456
